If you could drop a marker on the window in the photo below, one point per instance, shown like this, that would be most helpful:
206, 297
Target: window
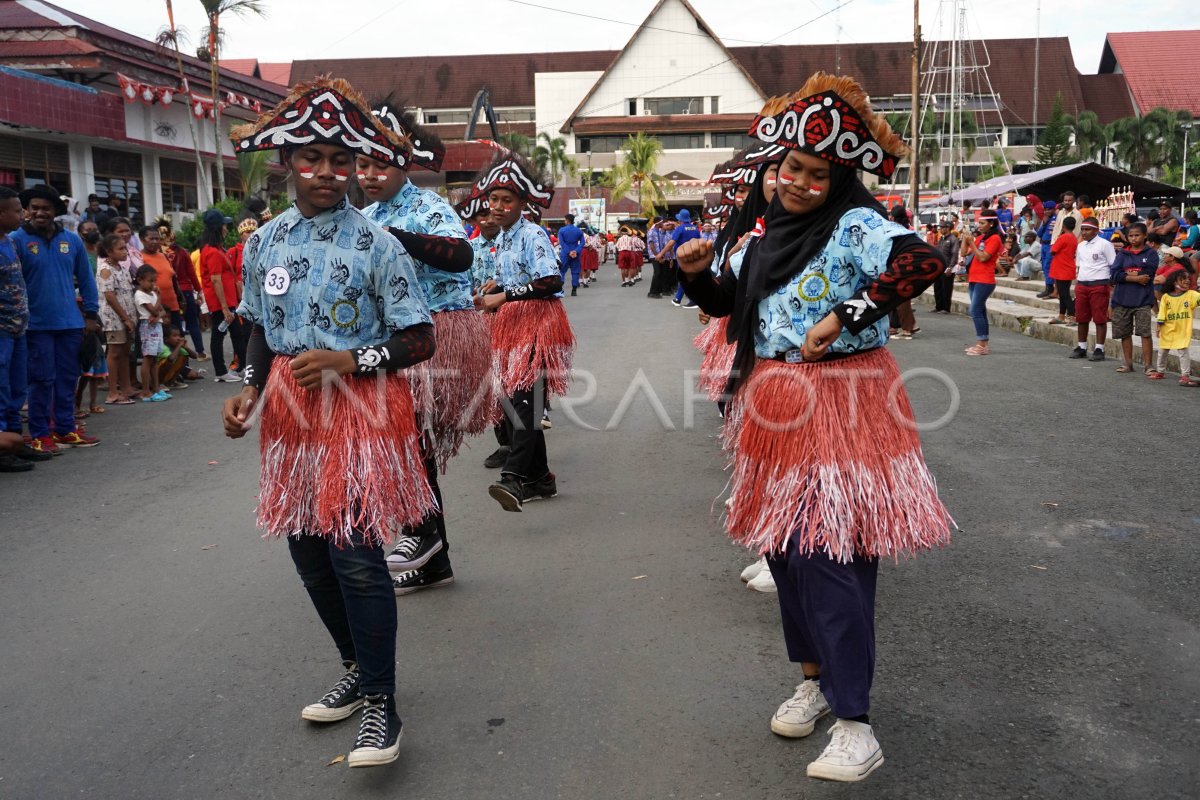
734, 141
233, 182
1020, 137
179, 192
26, 162
674, 105
633, 108
447, 117
120, 173
600, 144
716, 105
682, 141
514, 115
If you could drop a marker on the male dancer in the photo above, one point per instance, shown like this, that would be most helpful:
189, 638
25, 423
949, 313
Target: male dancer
337, 311
445, 388
532, 342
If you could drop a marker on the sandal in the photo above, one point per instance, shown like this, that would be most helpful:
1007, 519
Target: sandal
978, 351
120, 401
1155, 375
98, 410
1125, 368
1185, 381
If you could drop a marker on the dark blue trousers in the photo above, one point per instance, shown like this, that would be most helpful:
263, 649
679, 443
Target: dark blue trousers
573, 265
1046, 265
13, 365
828, 614
53, 373
352, 592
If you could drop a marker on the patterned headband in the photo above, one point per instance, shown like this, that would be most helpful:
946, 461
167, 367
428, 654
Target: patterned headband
510, 175
730, 174
532, 213
472, 206
729, 196
426, 152
760, 154
714, 213
320, 114
826, 126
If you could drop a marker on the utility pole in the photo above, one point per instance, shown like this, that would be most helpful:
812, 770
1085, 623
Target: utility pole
915, 116
1037, 62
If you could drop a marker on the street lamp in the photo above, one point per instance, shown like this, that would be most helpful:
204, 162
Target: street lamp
1187, 128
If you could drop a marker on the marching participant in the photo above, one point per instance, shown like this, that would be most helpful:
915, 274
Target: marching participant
532, 341
828, 476
453, 390
337, 314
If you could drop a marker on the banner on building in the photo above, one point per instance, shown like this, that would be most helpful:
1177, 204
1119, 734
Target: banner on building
589, 211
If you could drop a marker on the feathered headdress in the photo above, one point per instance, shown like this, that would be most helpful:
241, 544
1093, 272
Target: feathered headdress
163, 221
516, 174
831, 118
322, 111
427, 150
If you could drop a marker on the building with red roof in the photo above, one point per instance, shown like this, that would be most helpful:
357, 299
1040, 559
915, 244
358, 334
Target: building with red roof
1153, 68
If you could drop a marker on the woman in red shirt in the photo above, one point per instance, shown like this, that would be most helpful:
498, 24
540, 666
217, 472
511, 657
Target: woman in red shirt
220, 284
984, 251
1062, 271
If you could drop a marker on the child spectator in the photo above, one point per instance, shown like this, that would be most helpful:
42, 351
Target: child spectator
1171, 260
94, 362
150, 314
1094, 257
1029, 257
117, 315
1175, 326
1133, 297
173, 359
1062, 271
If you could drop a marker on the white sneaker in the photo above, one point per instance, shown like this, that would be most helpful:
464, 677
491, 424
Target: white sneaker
797, 717
749, 572
762, 582
852, 754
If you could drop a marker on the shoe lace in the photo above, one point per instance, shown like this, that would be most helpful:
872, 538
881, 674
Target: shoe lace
805, 693
407, 546
406, 576
372, 731
843, 738
339, 690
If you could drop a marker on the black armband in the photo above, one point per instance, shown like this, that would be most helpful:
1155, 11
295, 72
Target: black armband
440, 252
912, 267
409, 346
535, 290
258, 359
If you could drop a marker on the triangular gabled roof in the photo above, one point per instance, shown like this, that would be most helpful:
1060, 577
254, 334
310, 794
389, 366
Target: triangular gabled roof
700, 23
1156, 66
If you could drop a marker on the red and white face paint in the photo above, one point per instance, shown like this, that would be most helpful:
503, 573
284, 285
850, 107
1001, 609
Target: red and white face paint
785, 179
341, 175
815, 190
307, 174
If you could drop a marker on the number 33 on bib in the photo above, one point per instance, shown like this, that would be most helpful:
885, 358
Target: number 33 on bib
277, 281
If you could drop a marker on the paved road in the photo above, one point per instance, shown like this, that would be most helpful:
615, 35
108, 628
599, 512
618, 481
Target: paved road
600, 645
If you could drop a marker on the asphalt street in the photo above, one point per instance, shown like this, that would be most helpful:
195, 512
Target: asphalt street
600, 645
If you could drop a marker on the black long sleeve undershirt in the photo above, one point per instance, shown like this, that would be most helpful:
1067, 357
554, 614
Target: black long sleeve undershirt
440, 252
535, 290
409, 346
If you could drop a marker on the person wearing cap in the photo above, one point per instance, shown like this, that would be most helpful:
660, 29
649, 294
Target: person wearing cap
337, 314
943, 287
54, 265
1170, 259
221, 285
984, 250
685, 231
1094, 257
570, 252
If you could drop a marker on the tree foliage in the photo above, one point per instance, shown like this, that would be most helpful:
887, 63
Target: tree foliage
637, 171
1054, 145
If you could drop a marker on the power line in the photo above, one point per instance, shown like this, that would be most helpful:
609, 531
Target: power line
628, 24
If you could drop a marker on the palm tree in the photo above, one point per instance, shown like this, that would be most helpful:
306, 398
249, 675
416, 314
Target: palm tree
1091, 137
516, 142
254, 169
552, 155
170, 38
215, 35
637, 170
1149, 140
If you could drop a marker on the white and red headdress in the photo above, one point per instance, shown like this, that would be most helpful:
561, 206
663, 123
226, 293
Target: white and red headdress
325, 111
427, 149
510, 171
831, 118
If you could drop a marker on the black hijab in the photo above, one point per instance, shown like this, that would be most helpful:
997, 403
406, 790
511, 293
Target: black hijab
789, 243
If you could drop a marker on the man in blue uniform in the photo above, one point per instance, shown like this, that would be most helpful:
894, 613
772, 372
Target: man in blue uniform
570, 249
685, 231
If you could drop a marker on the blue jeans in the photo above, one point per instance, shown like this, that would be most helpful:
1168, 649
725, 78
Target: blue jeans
13, 366
352, 592
191, 316
979, 293
53, 373
1046, 265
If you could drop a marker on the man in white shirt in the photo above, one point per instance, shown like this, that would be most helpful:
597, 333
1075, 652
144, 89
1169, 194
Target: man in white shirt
1093, 286
1030, 257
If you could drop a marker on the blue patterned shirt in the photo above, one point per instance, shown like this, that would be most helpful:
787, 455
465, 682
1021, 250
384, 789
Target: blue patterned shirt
484, 267
855, 256
14, 307
336, 281
524, 254
421, 211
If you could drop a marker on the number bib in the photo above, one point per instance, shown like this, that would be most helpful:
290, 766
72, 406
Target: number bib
277, 281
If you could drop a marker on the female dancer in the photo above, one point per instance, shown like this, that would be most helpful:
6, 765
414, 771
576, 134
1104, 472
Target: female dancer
828, 475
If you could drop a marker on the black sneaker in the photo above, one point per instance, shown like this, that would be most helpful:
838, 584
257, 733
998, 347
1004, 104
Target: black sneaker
1097, 355
507, 493
14, 464
540, 490
339, 702
574, 291
414, 580
413, 552
379, 732
27, 453
546, 423
1079, 352
496, 460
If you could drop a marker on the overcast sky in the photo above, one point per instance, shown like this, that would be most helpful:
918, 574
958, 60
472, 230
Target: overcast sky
305, 29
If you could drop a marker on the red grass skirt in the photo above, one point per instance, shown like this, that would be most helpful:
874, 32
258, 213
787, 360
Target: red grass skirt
589, 259
828, 452
340, 459
530, 337
718, 358
455, 392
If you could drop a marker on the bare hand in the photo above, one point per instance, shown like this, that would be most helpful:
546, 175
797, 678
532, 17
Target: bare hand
236, 411
488, 287
820, 337
91, 325
492, 302
128, 323
228, 315
695, 256
704, 318
312, 368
